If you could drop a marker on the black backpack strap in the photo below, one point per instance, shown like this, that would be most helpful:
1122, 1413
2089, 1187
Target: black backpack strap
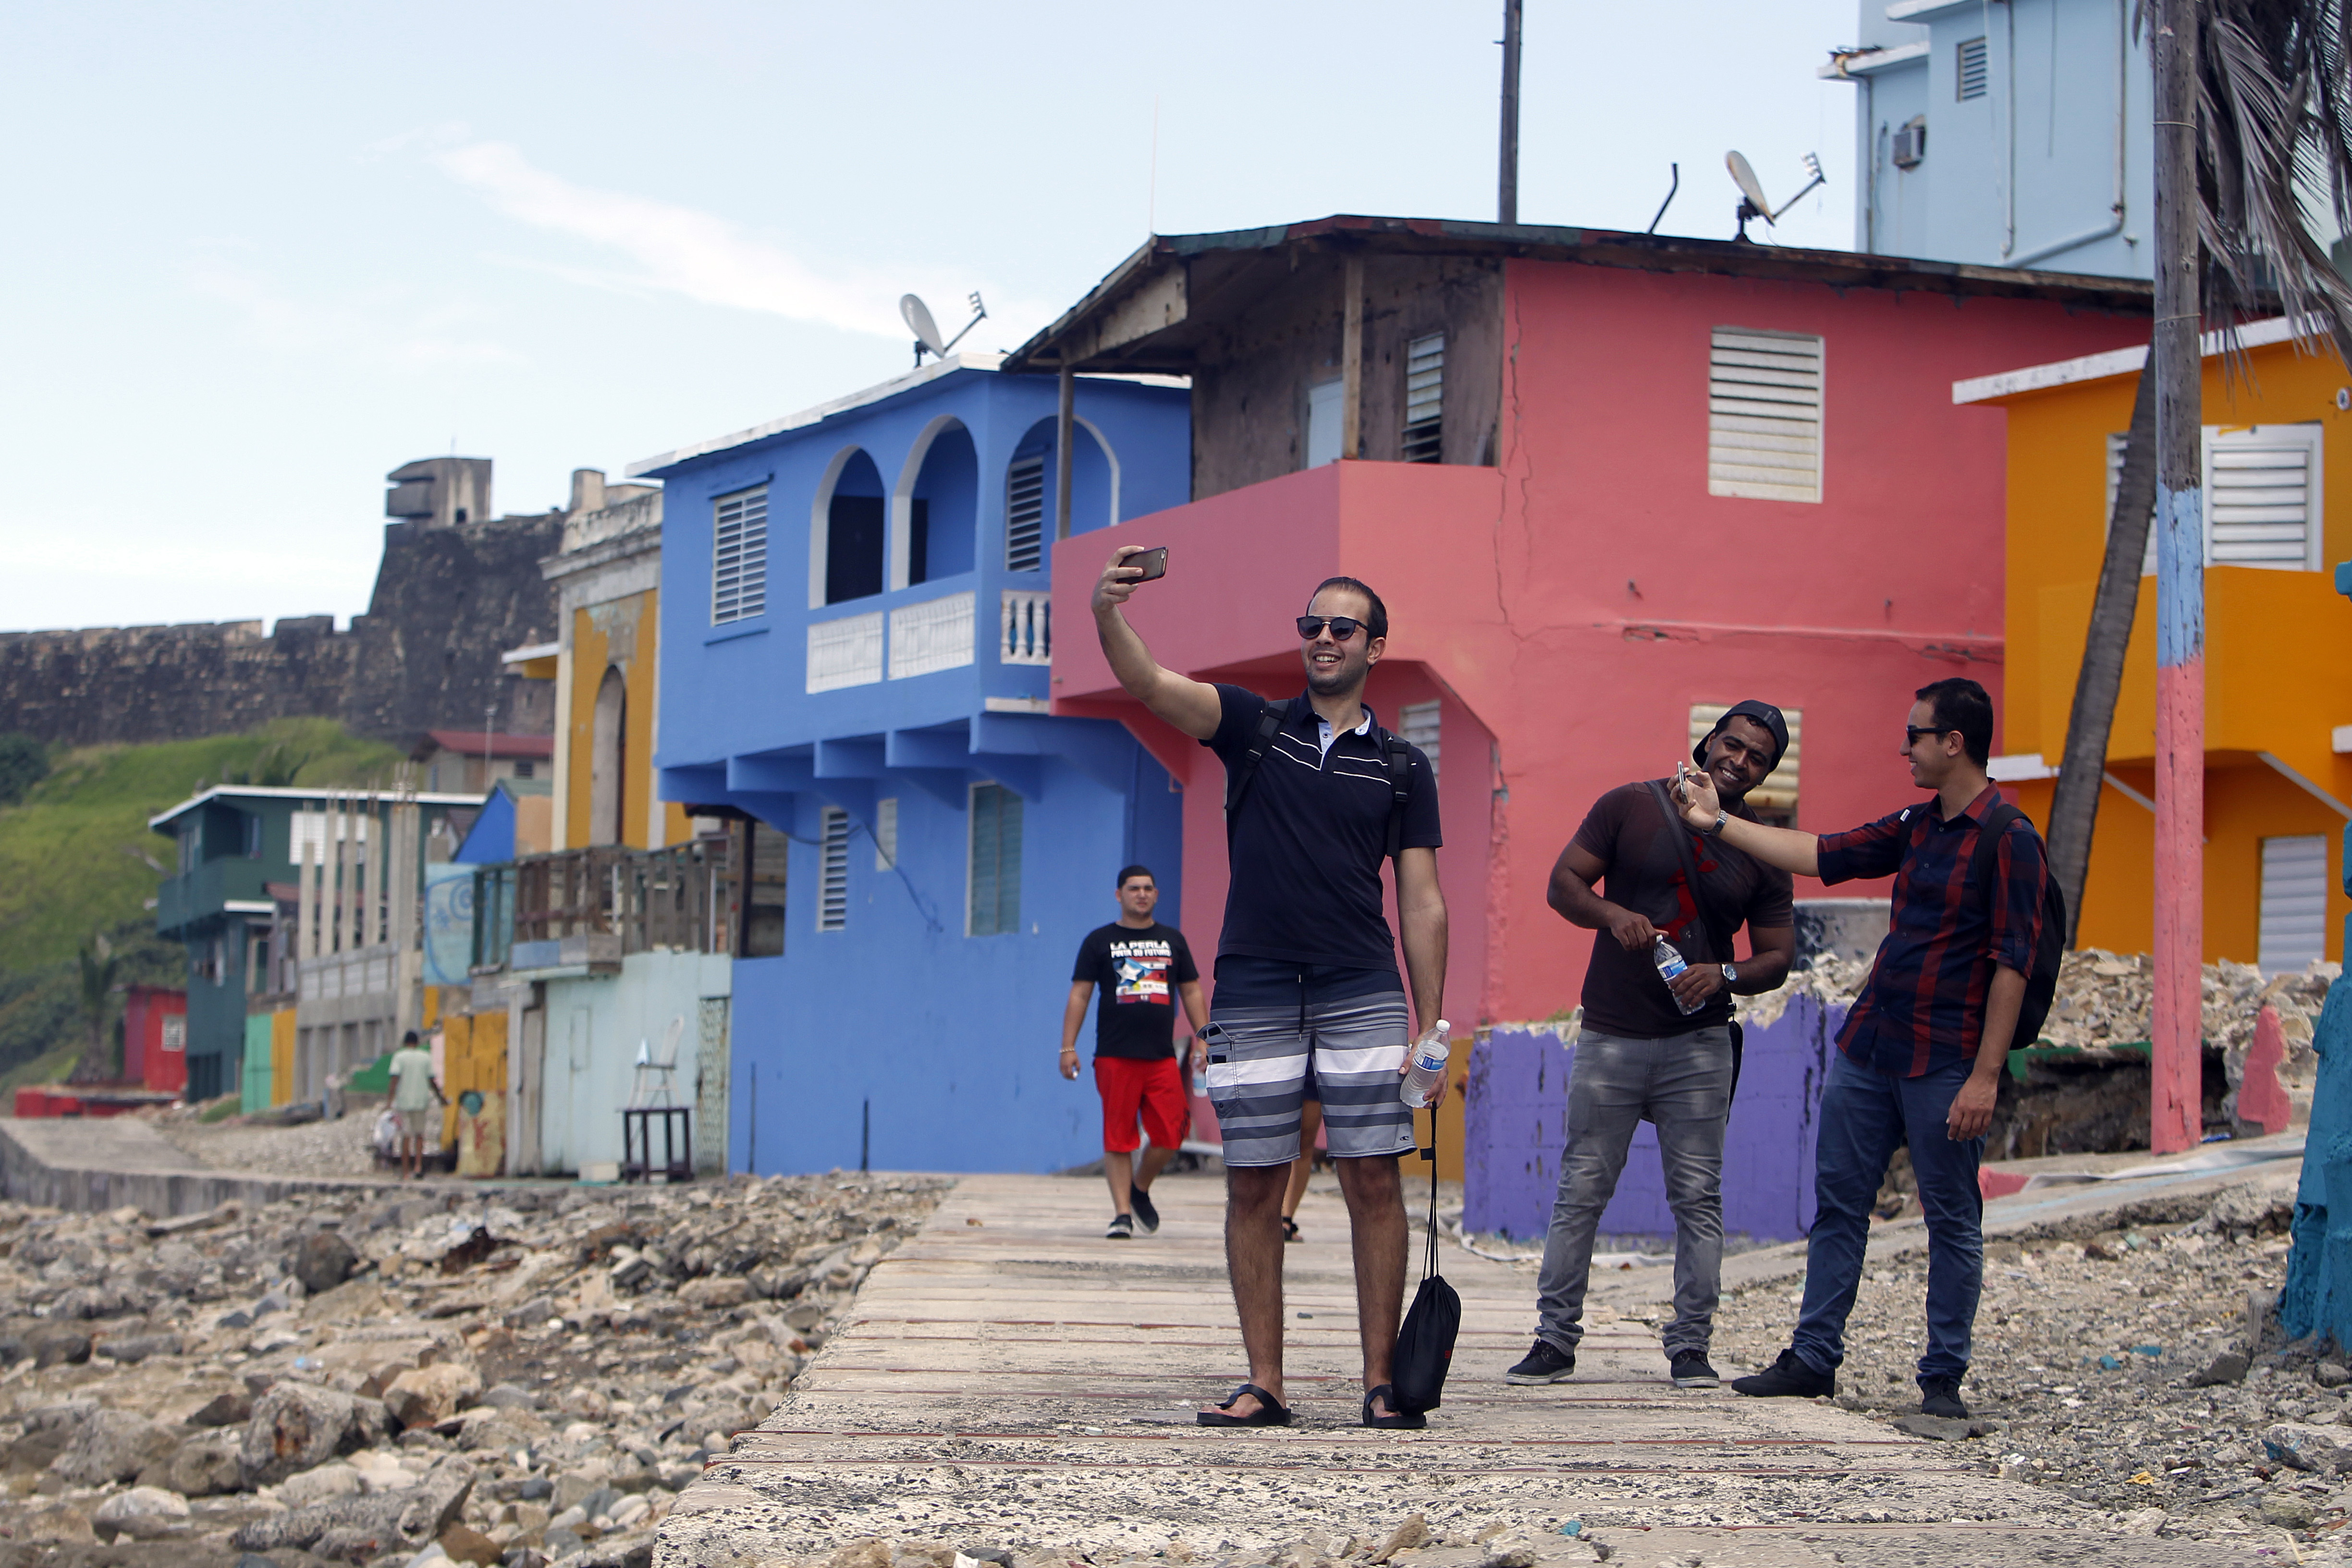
1981, 861
1400, 760
1238, 777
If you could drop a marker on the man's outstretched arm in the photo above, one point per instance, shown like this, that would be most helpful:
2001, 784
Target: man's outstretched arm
1190, 706
1785, 847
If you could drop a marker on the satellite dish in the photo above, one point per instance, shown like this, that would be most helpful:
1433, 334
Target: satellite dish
1742, 175
918, 316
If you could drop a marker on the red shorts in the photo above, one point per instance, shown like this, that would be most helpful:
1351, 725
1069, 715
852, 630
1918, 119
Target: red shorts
1151, 1090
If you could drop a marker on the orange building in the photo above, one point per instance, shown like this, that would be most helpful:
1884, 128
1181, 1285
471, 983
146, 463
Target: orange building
606, 663
2278, 639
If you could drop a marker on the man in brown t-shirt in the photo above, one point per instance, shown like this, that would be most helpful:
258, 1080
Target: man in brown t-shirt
1658, 1051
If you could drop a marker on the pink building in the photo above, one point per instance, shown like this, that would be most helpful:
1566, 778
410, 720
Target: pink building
1603, 481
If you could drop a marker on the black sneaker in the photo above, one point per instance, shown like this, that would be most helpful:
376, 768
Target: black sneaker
1942, 1397
1122, 1228
1547, 1362
1146, 1213
1787, 1378
1690, 1370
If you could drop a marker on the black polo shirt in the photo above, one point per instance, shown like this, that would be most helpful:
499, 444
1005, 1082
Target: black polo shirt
1309, 838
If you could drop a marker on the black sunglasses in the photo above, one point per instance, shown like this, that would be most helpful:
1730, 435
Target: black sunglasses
1911, 733
1342, 626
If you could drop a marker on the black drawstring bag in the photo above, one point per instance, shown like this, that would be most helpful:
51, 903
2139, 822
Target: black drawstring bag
1424, 1347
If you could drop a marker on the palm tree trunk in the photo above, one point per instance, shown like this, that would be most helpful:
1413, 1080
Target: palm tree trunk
2074, 807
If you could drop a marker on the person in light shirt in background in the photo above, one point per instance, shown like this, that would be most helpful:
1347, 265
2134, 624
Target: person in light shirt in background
417, 1098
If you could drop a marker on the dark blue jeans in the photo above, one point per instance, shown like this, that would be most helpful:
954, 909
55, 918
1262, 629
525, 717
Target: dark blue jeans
1865, 1116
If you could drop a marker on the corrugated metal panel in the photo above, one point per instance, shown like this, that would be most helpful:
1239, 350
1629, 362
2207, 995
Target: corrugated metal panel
2294, 903
832, 871
1418, 722
739, 556
1424, 398
1974, 69
1764, 415
1777, 795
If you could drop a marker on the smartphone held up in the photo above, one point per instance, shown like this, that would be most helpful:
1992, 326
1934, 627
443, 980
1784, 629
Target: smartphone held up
1153, 563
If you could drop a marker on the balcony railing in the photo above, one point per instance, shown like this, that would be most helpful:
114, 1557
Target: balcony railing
933, 636
682, 898
845, 652
1025, 631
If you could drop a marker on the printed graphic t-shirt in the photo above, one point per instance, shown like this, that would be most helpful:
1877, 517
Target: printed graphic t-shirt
1136, 971
1626, 832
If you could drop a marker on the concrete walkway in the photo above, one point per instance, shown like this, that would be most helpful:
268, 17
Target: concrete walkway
1010, 1378
96, 1162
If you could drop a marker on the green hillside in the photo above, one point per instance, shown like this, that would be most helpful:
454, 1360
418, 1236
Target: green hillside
76, 858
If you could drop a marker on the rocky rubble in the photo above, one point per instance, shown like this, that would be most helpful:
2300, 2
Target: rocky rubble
2139, 1371
519, 1376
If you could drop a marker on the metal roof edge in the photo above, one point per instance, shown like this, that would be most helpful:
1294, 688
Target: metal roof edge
2115, 362
276, 792
978, 361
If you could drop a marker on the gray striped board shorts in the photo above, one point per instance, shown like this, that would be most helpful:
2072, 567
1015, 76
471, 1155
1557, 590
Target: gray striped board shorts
1272, 1026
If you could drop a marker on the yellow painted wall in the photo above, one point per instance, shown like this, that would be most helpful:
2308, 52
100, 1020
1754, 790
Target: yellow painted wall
2278, 650
281, 1056
619, 634
473, 1055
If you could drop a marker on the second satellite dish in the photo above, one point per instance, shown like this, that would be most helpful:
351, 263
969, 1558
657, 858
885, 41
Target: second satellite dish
1754, 203
918, 316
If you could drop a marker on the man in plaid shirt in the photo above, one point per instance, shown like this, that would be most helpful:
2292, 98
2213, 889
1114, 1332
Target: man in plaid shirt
1920, 1056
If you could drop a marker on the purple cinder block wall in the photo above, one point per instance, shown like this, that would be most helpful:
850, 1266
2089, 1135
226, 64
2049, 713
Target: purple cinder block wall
1515, 1124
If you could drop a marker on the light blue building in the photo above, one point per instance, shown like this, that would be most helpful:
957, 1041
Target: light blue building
2008, 134
854, 647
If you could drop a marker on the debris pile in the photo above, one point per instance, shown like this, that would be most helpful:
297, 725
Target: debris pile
525, 1375
2131, 1369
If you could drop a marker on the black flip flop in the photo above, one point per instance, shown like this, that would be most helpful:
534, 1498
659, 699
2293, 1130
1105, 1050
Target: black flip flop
1270, 1411
1396, 1422
1290, 1228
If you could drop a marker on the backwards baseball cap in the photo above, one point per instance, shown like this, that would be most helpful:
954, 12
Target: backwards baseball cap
1763, 713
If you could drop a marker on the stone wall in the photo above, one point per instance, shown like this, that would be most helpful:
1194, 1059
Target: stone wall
447, 603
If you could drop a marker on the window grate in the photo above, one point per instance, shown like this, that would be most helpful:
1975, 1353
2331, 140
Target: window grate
1424, 398
1417, 724
1774, 801
1975, 71
1764, 415
739, 557
832, 871
1024, 514
2263, 488
2294, 926
995, 889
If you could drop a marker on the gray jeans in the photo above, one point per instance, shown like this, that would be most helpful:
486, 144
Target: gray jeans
1682, 1083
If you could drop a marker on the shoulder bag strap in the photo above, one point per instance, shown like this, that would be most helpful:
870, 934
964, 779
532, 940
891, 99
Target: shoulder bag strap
1399, 761
1680, 835
1429, 1261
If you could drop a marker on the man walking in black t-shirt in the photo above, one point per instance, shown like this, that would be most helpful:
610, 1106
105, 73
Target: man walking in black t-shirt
1142, 967
1307, 976
1651, 1052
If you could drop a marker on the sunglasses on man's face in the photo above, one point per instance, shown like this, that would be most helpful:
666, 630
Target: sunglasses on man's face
1342, 626
1911, 733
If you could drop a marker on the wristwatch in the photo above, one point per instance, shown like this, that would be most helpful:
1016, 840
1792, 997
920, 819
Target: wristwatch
1730, 973
1716, 831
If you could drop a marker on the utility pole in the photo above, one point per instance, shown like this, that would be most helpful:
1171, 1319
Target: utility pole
2175, 1109
1506, 200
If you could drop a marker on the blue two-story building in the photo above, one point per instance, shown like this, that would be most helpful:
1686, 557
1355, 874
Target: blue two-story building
856, 653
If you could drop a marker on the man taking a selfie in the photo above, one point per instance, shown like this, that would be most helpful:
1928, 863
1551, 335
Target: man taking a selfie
1920, 1056
1659, 1052
1318, 795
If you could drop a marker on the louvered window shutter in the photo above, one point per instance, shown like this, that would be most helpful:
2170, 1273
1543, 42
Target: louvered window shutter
1764, 415
739, 556
2262, 496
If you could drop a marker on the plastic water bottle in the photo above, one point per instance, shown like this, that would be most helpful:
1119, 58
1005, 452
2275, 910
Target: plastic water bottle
1670, 963
1426, 1069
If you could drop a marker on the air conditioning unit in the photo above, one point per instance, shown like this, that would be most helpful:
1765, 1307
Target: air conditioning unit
1911, 143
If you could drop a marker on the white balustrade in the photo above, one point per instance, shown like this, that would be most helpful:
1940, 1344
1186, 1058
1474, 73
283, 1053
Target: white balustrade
933, 636
1025, 631
845, 652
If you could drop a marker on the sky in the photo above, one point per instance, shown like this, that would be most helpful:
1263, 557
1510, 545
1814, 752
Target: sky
257, 255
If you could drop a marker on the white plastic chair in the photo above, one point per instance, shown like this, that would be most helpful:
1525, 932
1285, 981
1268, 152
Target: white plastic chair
656, 1083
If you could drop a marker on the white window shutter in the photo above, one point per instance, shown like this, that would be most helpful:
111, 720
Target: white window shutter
2262, 498
1764, 415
